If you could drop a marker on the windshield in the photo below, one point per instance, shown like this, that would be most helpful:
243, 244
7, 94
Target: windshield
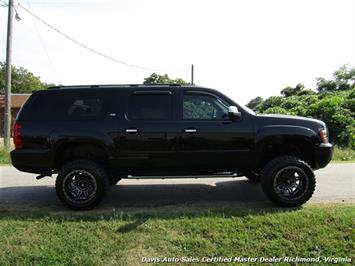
247, 109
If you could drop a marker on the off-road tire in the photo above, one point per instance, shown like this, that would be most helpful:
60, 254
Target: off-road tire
274, 170
95, 172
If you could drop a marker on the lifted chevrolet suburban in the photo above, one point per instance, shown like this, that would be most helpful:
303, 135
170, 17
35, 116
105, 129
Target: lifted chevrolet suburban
95, 135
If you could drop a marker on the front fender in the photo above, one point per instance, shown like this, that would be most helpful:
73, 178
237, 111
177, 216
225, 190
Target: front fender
283, 134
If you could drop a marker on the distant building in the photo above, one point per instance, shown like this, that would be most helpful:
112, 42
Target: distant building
17, 100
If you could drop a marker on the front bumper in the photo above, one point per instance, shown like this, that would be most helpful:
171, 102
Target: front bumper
323, 155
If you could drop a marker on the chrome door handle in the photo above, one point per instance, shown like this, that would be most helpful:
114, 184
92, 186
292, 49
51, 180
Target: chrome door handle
131, 130
190, 130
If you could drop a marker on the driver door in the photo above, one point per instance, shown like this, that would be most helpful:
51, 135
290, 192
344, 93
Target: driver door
209, 139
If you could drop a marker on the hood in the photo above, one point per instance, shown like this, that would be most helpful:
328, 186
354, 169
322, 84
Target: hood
292, 117
292, 120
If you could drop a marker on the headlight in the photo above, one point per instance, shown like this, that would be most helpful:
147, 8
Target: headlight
323, 134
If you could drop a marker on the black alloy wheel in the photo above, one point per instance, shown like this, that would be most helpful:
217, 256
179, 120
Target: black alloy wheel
81, 184
288, 181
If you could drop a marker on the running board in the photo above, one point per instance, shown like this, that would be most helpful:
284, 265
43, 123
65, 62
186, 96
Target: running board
183, 176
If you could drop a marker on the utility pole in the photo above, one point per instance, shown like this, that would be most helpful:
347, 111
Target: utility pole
7, 111
192, 74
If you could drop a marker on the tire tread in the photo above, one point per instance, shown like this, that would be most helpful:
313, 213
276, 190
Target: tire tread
95, 169
277, 163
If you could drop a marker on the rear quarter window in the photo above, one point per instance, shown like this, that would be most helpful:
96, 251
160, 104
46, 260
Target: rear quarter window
65, 106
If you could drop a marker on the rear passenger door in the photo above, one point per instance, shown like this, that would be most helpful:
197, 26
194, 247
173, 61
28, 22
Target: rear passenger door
148, 142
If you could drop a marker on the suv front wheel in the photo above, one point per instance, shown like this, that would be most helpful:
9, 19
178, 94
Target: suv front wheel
81, 184
288, 181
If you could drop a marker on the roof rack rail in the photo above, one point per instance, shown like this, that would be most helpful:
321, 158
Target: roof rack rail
113, 85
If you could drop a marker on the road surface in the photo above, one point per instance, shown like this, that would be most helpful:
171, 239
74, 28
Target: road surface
335, 183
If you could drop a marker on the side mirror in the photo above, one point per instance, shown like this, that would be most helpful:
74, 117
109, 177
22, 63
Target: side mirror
233, 112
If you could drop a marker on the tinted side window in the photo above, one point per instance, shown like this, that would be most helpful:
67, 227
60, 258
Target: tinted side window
66, 106
203, 107
90, 107
150, 107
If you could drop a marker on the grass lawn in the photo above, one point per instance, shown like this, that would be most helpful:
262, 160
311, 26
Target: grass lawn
343, 154
4, 157
40, 236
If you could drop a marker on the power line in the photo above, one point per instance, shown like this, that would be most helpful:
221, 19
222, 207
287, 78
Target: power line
45, 49
89, 48
4, 4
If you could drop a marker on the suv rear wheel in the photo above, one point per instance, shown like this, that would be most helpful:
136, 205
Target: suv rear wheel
81, 184
288, 181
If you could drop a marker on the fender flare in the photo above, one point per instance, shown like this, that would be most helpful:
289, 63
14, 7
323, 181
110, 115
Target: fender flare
280, 134
57, 139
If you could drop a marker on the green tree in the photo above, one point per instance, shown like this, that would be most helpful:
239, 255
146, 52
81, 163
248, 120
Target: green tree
253, 104
276, 110
339, 120
349, 102
290, 91
22, 80
272, 101
343, 79
163, 79
334, 103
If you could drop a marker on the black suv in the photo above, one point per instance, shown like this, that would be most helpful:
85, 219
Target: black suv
93, 136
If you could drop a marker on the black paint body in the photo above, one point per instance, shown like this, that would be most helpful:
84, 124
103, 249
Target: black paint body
163, 147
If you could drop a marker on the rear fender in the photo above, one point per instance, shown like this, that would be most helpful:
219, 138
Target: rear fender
103, 141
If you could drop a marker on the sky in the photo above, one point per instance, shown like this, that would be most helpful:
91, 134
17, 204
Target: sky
243, 48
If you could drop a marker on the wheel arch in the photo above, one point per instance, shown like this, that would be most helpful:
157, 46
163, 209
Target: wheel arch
274, 141
75, 149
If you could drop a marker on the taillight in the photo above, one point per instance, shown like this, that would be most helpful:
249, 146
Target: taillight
17, 135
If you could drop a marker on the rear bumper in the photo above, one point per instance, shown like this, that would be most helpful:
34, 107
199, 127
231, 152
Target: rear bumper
323, 155
31, 160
